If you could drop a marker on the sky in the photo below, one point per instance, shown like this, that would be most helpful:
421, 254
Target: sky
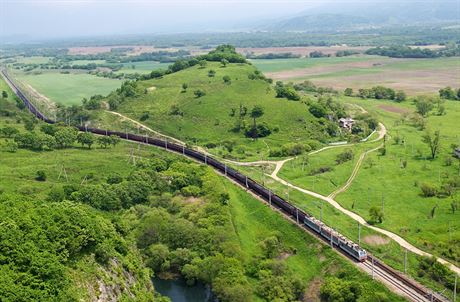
59, 18
38, 19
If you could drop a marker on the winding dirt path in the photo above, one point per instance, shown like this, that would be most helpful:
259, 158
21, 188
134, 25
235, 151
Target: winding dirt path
330, 199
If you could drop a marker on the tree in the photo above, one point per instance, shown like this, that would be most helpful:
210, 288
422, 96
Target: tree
433, 142
340, 290
376, 214
199, 93
202, 63
211, 73
104, 141
184, 87
348, 92
447, 93
428, 190
227, 79
65, 136
256, 112
41, 175
4, 94
400, 96
424, 105
85, 138
224, 62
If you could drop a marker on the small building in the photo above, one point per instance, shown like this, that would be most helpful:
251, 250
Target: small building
346, 123
457, 152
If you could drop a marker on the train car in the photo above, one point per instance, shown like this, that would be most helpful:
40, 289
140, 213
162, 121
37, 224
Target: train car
353, 249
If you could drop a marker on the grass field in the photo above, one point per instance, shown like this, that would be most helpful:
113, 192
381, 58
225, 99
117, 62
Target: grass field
68, 89
415, 76
142, 67
207, 119
303, 174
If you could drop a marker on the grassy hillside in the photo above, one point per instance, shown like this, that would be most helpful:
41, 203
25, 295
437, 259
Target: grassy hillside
207, 120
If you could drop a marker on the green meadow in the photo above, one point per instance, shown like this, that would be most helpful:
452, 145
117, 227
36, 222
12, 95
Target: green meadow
67, 89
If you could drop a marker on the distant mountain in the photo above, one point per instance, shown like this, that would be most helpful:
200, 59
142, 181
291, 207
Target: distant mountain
349, 16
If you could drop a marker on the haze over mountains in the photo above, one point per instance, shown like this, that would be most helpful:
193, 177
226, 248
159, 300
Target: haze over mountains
359, 15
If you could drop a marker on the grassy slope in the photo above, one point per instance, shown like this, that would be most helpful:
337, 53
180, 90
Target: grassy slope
207, 119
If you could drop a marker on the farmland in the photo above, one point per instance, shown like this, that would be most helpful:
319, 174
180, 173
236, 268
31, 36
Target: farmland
415, 76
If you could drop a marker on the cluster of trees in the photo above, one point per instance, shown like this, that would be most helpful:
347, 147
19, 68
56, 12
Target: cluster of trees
410, 52
222, 52
254, 130
286, 91
53, 136
271, 56
379, 92
449, 94
43, 241
346, 53
257, 75
318, 54
293, 149
308, 86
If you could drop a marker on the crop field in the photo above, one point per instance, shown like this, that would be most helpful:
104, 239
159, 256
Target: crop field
415, 76
70, 88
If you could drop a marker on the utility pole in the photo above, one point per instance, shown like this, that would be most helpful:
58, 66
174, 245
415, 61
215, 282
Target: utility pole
297, 214
359, 234
405, 261
372, 267
321, 211
383, 204
270, 197
455, 288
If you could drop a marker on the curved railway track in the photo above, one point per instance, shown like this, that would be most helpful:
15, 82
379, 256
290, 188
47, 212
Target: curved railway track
392, 278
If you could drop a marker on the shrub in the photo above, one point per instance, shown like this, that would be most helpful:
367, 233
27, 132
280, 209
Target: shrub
345, 156
144, 116
261, 130
40, 175
320, 170
428, 190
199, 93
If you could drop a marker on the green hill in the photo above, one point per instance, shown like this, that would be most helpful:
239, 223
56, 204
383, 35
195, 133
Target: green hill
210, 120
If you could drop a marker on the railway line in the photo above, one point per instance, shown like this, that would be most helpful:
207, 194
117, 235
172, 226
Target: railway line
392, 278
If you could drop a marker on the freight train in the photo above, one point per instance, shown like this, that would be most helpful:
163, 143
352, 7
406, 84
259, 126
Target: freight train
311, 223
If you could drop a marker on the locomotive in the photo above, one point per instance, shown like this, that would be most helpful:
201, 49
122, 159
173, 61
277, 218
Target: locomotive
336, 239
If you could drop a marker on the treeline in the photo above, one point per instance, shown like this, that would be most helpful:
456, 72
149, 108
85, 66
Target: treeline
378, 93
449, 94
271, 56
412, 52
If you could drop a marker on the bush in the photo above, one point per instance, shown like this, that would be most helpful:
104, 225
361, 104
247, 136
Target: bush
40, 175
261, 130
199, 93
428, 190
345, 156
286, 91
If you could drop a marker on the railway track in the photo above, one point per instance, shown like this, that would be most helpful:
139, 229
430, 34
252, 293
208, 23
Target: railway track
392, 278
